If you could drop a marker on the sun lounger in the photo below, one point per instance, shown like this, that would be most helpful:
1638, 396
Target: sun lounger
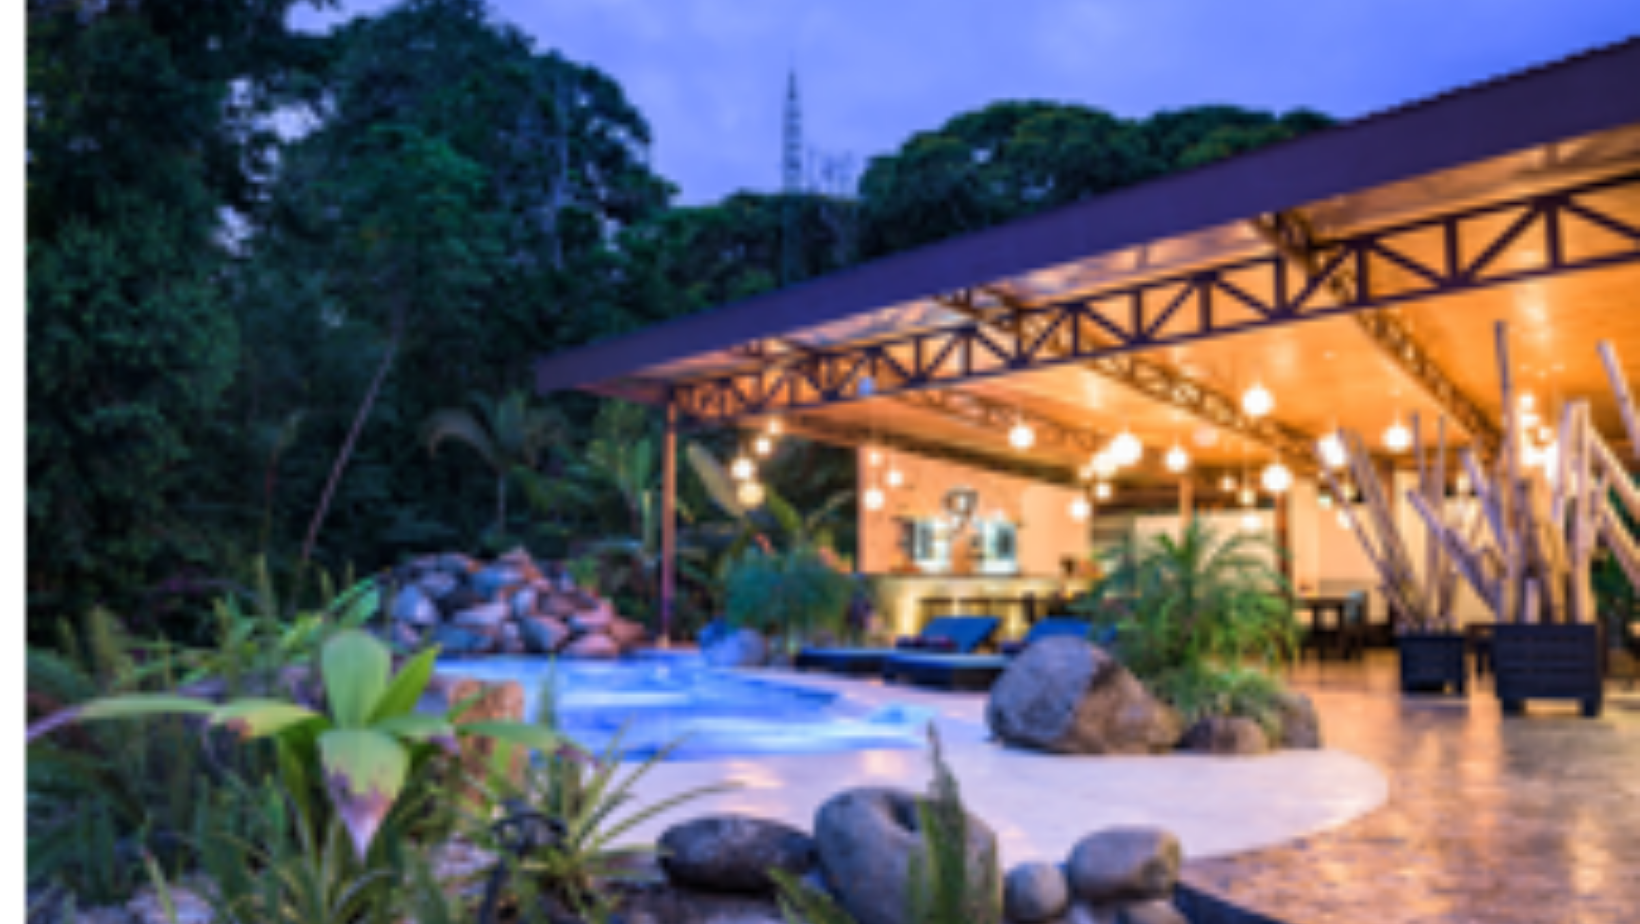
970, 671
960, 635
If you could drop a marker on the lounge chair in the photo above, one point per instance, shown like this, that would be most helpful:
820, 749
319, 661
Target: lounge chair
971, 671
961, 635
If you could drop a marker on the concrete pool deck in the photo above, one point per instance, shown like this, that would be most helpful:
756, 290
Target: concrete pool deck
1039, 804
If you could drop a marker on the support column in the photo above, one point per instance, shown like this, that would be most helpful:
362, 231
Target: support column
669, 522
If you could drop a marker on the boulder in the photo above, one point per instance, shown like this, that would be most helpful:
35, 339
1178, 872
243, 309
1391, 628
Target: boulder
1035, 892
411, 605
189, 902
485, 616
866, 838
557, 604
1124, 865
592, 646
733, 853
542, 634
1067, 696
736, 648
455, 640
627, 633
1151, 912
520, 559
498, 702
1226, 734
594, 618
462, 597
522, 603
1300, 725
456, 563
489, 581
1084, 913
437, 584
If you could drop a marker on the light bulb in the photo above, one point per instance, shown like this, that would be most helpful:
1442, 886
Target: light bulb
1126, 448
1022, 436
1258, 401
1332, 451
1104, 465
1227, 483
895, 478
750, 494
1398, 438
1177, 459
775, 427
1080, 508
1102, 490
1277, 478
1247, 497
742, 468
1249, 523
874, 458
874, 498
762, 445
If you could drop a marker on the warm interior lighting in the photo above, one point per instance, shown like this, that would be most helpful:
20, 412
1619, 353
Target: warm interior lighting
1343, 520
1022, 436
1102, 490
1250, 522
1332, 451
1080, 508
750, 494
1398, 438
895, 477
776, 427
1277, 478
762, 445
874, 458
1247, 497
874, 498
1527, 401
1227, 483
742, 468
1126, 448
1177, 459
1104, 466
1257, 401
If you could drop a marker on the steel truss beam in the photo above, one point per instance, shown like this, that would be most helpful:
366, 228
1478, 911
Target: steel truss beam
1295, 238
1206, 303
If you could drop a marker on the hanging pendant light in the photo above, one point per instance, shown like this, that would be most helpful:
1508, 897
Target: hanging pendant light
874, 498
1227, 484
1021, 437
1276, 478
1247, 497
775, 427
874, 457
1102, 490
1104, 465
750, 494
1177, 459
1257, 401
742, 468
895, 477
1398, 438
762, 445
1080, 508
1332, 451
1126, 448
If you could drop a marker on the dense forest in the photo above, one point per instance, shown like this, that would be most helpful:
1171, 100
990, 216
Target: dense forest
284, 289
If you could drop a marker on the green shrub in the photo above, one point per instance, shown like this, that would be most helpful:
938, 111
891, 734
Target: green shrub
1208, 690
790, 594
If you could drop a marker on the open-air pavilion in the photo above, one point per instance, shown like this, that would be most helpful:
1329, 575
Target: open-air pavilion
1353, 277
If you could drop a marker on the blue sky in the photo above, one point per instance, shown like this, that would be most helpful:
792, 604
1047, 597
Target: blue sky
710, 74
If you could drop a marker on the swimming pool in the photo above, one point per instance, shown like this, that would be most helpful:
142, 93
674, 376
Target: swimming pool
661, 696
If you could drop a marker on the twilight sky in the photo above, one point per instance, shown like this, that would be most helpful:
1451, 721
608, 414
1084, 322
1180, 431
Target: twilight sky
710, 75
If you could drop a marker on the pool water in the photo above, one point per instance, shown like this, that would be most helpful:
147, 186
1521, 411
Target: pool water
654, 699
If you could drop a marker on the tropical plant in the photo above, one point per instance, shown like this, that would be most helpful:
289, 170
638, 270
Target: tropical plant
355, 757
506, 433
792, 594
1206, 690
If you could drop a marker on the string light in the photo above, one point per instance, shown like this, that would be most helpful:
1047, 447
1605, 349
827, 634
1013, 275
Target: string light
1343, 521
1398, 438
1247, 497
762, 445
1257, 401
1102, 490
1332, 451
1277, 478
895, 477
874, 498
1227, 483
874, 457
1104, 466
750, 494
1250, 522
1080, 508
1022, 437
775, 427
1126, 448
1177, 459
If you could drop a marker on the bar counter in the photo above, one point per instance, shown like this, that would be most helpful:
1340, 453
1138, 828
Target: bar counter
907, 600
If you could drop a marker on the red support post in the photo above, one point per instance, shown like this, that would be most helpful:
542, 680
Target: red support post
669, 521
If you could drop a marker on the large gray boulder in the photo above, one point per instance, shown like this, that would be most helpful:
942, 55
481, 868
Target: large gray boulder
1300, 725
1228, 735
736, 648
733, 853
1067, 696
1124, 865
1035, 892
866, 839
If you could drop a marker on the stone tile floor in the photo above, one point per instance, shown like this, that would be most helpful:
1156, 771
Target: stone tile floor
1531, 820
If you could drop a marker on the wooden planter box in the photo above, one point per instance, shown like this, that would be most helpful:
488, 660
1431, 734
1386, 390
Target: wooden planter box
1433, 662
1549, 662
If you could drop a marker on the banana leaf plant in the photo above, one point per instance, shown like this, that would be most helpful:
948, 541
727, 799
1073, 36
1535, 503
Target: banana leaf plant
362, 747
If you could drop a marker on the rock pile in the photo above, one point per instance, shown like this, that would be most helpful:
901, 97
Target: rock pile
508, 606
1118, 875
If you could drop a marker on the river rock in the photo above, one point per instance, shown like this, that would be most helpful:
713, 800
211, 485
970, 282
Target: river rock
1067, 696
1151, 912
627, 633
461, 597
491, 580
456, 640
1300, 725
1129, 864
437, 584
484, 617
543, 634
1035, 892
520, 559
736, 648
456, 563
596, 618
557, 604
1226, 734
411, 605
592, 646
733, 853
865, 839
